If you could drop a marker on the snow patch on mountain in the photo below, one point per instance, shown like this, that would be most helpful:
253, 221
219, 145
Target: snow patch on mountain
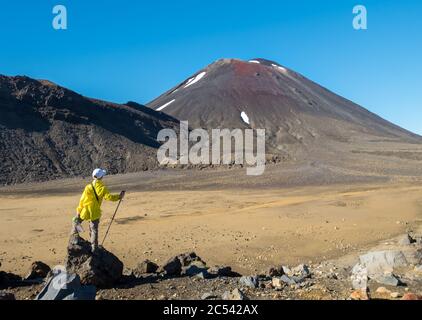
195, 79
245, 117
165, 105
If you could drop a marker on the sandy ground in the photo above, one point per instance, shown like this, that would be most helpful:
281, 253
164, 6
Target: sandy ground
248, 229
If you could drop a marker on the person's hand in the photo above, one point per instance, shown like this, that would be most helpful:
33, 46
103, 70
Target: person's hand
122, 195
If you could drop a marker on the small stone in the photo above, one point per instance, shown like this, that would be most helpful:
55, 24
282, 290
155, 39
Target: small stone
383, 290
395, 295
208, 296
145, 267
251, 282
359, 295
277, 283
236, 294
411, 296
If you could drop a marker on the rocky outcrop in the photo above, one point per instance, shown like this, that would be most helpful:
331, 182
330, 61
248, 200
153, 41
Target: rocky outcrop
39, 270
102, 269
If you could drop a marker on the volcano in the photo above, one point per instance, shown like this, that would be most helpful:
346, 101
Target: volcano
49, 132
300, 116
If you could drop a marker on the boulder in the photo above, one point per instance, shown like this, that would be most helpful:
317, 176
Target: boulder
188, 263
172, 267
39, 270
250, 282
9, 280
359, 277
236, 294
187, 258
65, 286
388, 280
222, 271
145, 267
6, 296
101, 269
380, 262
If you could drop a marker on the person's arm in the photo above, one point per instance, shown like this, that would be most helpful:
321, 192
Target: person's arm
106, 195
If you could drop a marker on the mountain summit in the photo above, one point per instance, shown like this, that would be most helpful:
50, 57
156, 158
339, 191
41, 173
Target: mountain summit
298, 114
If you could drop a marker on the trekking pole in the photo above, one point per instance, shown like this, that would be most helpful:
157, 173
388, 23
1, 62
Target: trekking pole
109, 226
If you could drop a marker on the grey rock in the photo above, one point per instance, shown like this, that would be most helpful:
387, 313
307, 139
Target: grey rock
388, 279
236, 294
380, 262
208, 296
406, 240
286, 270
359, 277
65, 286
39, 270
101, 269
288, 280
145, 267
301, 270
249, 281
6, 296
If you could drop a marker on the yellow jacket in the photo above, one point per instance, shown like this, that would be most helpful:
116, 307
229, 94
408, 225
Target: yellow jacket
89, 208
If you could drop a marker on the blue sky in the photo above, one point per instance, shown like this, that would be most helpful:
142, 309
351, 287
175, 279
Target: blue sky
135, 50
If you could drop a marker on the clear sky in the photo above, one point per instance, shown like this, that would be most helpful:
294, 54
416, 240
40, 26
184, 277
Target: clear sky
135, 50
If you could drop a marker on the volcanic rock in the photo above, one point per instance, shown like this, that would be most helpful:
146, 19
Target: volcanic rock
249, 281
39, 270
172, 267
145, 267
49, 132
236, 294
102, 269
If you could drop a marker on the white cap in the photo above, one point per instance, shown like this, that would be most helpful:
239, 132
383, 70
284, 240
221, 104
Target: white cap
99, 173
